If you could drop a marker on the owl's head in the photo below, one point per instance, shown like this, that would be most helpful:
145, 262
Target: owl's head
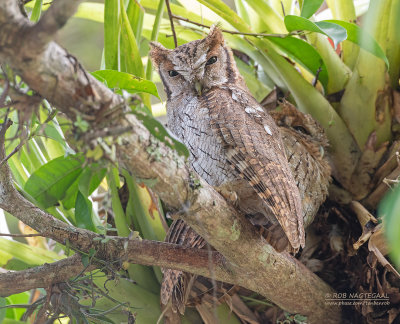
195, 66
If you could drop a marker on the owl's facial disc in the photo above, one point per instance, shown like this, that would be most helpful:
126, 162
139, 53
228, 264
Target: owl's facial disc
195, 67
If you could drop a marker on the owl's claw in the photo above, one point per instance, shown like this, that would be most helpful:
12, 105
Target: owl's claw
229, 195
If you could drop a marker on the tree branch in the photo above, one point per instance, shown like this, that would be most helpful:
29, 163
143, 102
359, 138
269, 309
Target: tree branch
252, 263
137, 251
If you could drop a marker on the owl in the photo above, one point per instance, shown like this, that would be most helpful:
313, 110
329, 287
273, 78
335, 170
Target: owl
234, 144
305, 143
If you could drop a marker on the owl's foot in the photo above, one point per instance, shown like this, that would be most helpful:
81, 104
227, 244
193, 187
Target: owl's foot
229, 195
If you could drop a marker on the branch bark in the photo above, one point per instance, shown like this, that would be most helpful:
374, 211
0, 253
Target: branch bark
251, 262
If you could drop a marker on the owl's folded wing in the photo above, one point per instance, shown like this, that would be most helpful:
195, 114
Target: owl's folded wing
256, 152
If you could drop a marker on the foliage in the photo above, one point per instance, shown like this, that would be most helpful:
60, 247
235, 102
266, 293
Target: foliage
290, 50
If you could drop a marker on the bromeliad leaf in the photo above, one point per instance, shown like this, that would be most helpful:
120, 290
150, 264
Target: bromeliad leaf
356, 35
334, 31
310, 7
158, 130
125, 81
389, 209
49, 184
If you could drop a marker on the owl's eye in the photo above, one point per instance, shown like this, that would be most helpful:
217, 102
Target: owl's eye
172, 73
301, 129
212, 60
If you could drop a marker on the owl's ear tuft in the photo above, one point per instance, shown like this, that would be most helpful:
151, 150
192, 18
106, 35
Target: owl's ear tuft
215, 36
158, 53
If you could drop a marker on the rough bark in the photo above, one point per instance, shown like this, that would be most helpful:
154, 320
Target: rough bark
250, 261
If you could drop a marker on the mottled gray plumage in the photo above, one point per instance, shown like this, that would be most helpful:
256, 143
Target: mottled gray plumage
237, 148
234, 145
304, 141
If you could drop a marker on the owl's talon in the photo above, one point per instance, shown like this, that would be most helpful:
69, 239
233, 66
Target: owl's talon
229, 196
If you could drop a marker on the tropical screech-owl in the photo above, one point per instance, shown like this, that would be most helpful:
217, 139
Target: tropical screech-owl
234, 145
305, 143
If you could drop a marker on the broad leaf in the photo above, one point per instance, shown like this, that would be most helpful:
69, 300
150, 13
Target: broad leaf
304, 54
125, 81
52, 132
356, 35
335, 32
90, 179
83, 213
310, 7
48, 184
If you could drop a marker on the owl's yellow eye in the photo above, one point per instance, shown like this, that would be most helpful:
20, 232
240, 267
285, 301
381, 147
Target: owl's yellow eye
172, 73
212, 60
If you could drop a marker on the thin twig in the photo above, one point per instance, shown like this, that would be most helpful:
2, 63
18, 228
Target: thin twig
235, 32
26, 139
172, 23
20, 235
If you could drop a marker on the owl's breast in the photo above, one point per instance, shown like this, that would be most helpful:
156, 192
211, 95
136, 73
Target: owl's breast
190, 122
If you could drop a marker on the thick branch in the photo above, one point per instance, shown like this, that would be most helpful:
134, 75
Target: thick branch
40, 277
142, 252
252, 262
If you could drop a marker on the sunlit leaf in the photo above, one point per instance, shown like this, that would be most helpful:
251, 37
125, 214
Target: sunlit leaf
3, 303
111, 30
130, 47
52, 132
31, 255
364, 40
126, 81
304, 54
37, 9
48, 184
335, 32
310, 7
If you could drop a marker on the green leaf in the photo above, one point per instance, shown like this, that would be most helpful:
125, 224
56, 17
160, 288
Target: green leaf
85, 260
356, 35
52, 132
158, 130
111, 31
31, 255
335, 32
389, 209
126, 81
15, 313
92, 11
310, 7
90, 179
154, 34
83, 213
129, 45
37, 9
119, 214
305, 54
48, 184
3, 303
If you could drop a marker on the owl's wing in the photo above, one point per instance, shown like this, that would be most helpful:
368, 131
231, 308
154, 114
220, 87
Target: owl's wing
176, 285
255, 150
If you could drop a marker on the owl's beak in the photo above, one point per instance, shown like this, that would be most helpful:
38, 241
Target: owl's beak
198, 87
